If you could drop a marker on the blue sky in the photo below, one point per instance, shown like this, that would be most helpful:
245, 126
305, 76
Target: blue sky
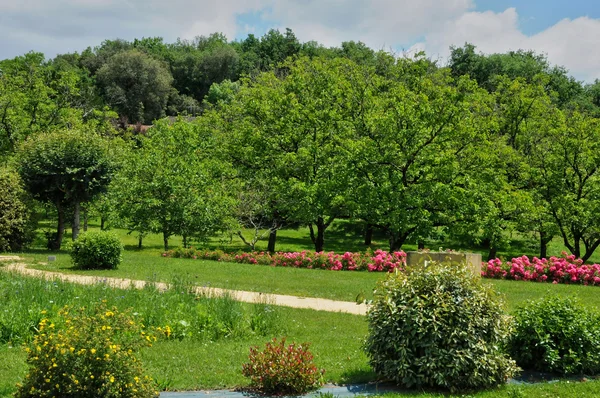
568, 32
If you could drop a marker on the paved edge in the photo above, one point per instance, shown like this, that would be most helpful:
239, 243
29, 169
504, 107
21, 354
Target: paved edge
351, 390
317, 304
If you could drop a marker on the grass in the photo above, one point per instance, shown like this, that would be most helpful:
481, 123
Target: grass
192, 364
208, 363
340, 285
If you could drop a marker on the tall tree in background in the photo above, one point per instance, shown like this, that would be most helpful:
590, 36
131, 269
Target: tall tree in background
136, 85
526, 65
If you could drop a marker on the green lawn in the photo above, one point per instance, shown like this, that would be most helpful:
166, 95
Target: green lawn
337, 285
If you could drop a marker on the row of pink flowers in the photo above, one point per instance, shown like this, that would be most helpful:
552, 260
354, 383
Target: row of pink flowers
564, 269
379, 261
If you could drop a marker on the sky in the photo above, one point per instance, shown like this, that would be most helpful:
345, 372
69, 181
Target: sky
568, 32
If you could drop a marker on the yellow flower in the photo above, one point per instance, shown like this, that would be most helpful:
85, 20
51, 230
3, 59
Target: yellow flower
93, 350
112, 379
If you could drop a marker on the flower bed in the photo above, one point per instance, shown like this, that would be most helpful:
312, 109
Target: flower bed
564, 269
379, 261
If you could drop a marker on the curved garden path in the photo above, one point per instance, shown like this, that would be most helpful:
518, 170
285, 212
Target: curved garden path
317, 304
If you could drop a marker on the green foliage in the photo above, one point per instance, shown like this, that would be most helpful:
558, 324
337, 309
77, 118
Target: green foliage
282, 369
96, 250
17, 224
175, 184
65, 168
35, 97
556, 335
87, 355
415, 146
137, 85
438, 326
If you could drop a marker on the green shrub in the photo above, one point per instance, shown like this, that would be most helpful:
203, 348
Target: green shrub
80, 355
283, 370
556, 335
438, 326
97, 250
16, 222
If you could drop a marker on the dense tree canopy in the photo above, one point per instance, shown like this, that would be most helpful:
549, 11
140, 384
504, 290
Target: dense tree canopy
285, 132
137, 85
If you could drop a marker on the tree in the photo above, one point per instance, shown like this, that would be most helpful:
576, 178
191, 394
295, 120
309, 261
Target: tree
565, 168
136, 85
292, 131
173, 184
526, 65
35, 97
65, 168
414, 145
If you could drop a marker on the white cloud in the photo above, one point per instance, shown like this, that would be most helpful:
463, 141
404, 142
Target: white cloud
570, 43
378, 23
72, 25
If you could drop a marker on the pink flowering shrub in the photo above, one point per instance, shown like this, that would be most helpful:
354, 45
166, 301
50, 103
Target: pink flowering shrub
380, 261
564, 269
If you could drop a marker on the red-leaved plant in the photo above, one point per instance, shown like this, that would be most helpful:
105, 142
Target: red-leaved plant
282, 369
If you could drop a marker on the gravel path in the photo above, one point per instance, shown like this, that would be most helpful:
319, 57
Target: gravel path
317, 304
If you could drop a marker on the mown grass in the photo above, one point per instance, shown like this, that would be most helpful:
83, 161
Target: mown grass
336, 285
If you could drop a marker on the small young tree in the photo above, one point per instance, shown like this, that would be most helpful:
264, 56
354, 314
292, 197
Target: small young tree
65, 168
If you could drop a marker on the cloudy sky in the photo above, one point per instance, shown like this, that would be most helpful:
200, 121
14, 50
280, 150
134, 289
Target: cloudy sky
567, 31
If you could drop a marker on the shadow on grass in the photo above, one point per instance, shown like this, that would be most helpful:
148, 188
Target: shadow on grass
359, 375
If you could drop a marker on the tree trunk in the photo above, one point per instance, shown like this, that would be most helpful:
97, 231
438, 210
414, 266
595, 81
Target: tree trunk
577, 246
397, 239
369, 235
166, 240
544, 240
60, 229
140, 238
420, 245
85, 219
319, 239
76, 220
102, 221
184, 241
272, 239
493, 253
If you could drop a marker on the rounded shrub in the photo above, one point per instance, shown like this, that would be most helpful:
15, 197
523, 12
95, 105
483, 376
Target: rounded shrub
556, 335
17, 225
97, 250
438, 326
282, 369
87, 353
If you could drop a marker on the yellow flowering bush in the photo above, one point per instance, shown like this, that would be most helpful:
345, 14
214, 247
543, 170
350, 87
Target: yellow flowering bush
86, 353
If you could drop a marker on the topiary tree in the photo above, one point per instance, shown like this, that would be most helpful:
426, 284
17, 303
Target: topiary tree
439, 327
65, 168
17, 225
